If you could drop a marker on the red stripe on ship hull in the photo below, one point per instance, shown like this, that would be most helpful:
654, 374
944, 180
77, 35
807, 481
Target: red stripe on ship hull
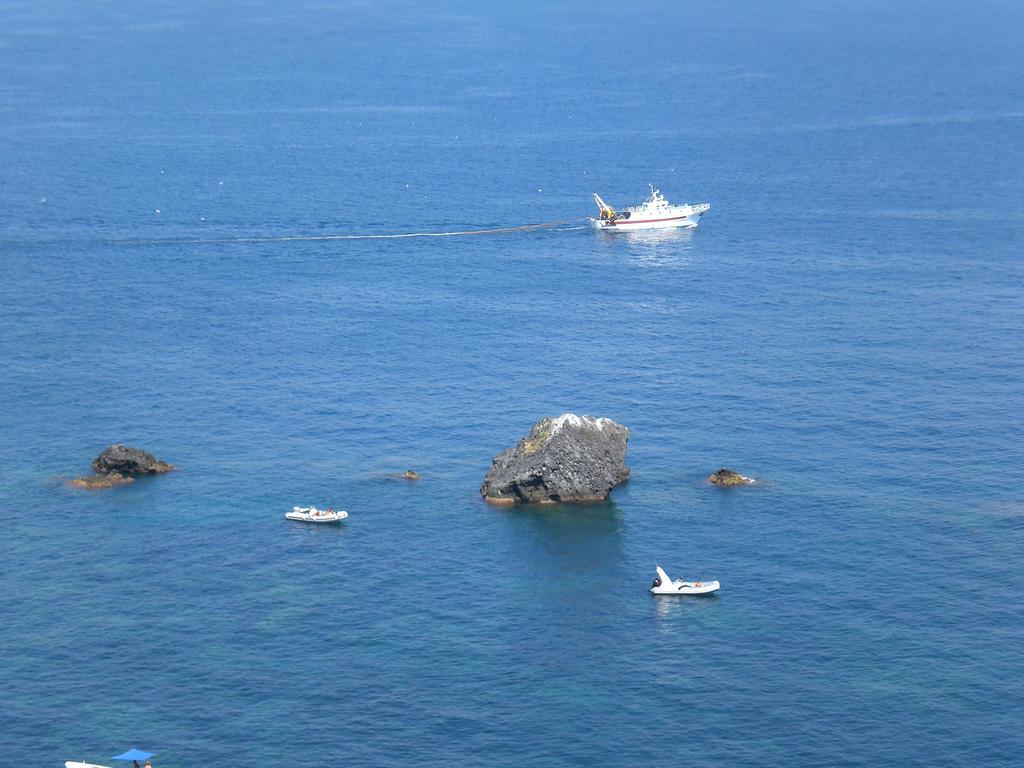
648, 221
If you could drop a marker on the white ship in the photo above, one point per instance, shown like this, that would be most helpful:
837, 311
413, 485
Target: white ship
314, 515
655, 213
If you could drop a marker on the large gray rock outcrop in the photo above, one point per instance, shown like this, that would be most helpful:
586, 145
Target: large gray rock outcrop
571, 459
129, 461
726, 477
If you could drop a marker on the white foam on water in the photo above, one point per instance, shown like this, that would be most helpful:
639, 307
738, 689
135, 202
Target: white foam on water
307, 238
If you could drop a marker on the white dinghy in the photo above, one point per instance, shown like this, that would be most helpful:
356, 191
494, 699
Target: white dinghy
663, 585
314, 515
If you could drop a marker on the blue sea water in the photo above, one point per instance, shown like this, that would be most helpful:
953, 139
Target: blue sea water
847, 325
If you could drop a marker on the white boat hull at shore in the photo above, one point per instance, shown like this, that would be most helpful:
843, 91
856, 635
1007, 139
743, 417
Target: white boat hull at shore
70, 764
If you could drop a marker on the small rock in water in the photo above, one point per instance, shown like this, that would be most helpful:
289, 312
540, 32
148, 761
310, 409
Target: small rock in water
726, 477
571, 458
129, 461
411, 474
92, 482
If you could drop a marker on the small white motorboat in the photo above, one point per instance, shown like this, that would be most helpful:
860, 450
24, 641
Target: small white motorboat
663, 585
133, 754
314, 515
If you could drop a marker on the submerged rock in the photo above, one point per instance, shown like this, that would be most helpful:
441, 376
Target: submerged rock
726, 477
91, 482
129, 461
567, 459
411, 474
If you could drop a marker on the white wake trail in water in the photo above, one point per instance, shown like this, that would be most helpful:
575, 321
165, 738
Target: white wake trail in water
395, 236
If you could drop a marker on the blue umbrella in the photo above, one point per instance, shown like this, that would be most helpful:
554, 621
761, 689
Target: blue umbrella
134, 754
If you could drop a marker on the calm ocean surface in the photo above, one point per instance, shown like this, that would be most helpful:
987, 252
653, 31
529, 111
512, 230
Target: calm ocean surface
846, 325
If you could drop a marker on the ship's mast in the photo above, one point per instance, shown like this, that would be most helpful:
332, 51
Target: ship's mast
607, 212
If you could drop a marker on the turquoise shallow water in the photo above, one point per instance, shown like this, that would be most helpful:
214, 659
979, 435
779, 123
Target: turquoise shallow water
845, 326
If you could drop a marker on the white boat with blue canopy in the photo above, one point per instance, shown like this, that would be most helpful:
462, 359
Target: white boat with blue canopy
136, 756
